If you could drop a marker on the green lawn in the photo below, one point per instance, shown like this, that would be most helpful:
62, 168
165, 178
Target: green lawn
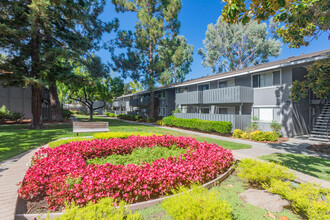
15, 139
229, 190
314, 166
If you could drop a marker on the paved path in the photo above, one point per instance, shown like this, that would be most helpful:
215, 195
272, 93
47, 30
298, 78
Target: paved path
12, 171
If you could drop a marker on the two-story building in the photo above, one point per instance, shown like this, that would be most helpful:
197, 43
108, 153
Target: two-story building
258, 93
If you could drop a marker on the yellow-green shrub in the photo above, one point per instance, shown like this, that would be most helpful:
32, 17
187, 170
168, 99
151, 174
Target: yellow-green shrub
259, 173
245, 135
160, 122
308, 199
104, 209
263, 136
199, 203
58, 143
122, 135
237, 133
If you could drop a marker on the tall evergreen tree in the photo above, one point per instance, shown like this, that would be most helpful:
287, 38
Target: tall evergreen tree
235, 46
157, 21
35, 33
178, 57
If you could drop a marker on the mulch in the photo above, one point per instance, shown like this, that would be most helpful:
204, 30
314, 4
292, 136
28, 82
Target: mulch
320, 148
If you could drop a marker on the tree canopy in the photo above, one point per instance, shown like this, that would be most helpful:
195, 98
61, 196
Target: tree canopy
178, 57
157, 22
303, 20
132, 87
234, 46
35, 34
317, 81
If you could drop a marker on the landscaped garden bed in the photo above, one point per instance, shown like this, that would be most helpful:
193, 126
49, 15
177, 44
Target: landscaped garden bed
78, 171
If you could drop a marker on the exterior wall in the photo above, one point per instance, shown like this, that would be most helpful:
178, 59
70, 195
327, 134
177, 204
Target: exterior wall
214, 85
192, 88
243, 80
170, 101
17, 99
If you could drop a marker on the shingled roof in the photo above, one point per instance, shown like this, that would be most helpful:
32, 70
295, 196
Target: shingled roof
305, 58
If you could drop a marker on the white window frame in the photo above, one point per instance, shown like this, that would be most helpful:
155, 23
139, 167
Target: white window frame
266, 107
266, 87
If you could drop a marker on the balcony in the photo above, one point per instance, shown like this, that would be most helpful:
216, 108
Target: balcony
236, 94
189, 98
141, 101
119, 104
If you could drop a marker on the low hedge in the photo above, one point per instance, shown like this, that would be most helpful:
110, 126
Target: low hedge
121, 135
130, 117
223, 127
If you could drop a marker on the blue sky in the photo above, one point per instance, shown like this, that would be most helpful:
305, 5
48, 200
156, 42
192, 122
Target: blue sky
195, 15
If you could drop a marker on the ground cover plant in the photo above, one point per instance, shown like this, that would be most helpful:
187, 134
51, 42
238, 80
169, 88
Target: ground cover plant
140, 155
61, 174
314, 166
15, 139
309, 200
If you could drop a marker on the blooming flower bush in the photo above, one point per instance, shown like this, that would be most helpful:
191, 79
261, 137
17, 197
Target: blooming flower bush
62, 174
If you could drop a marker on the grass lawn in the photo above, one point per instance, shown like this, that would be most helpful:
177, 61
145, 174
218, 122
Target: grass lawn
229, 190
314, 166
15, 139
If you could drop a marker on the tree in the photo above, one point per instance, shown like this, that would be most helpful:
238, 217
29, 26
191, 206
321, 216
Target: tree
35, 33
235, 46
178, 56
90, 88
157, 21
132, 87
303, 20
317, 81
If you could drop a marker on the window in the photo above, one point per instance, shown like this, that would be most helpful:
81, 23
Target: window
205, 110
203, 87
266, 79
161, 95
267, 114
162, 111
182, 90
223, 84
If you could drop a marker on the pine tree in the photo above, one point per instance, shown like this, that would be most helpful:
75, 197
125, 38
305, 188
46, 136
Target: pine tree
35, 34
157, 21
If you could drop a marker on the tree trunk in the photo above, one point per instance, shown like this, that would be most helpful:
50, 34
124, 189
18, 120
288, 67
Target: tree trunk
151, 83
36, 122
91, 113
55, 103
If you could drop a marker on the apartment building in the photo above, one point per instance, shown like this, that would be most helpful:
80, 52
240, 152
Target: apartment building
258, 93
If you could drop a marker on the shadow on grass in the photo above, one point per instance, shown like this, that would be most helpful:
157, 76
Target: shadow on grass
313, 166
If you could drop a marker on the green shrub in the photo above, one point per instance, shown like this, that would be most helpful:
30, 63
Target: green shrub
122, 135
147, 155
73, 112
222, 127
58, 143
199, 203
4, 113
276, 127
15, 116
150, 120
104, 209
259, 173
307, 199
263, 136
66, 114
130, 117
110, 114
237, 133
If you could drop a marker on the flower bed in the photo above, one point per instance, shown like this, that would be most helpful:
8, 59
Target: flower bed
62, 174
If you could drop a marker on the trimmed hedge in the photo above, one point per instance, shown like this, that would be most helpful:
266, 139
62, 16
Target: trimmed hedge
263, 136
223, 127
130, 117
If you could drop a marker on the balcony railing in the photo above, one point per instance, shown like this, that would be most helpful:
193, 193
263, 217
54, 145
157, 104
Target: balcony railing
119, 103
189, 98
236, 94
238, 121
141, 101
